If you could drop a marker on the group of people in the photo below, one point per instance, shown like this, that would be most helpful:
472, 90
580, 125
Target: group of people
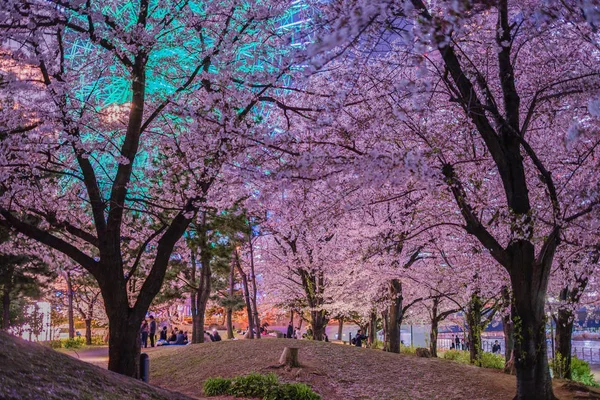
148, 330
457, 344
177, 337
294, 333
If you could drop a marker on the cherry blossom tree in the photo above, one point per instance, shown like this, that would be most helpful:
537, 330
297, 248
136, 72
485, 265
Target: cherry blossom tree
127, 114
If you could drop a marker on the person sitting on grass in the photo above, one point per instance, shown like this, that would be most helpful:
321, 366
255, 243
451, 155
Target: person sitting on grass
163, 333
180, 339
173, 337
215, 336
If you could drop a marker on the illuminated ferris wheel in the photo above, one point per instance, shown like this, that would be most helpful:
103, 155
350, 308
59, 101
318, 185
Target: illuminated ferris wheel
112, 87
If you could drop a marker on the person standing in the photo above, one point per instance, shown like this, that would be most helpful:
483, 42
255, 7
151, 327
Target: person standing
290, 331
496, 347
359, 338
144, 331
152, 331
457, 342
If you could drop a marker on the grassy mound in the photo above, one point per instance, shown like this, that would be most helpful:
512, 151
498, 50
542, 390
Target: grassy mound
29, 371
333, 371
338, 372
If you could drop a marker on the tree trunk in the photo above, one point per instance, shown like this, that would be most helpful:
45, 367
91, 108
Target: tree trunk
254, 287
246, 296
340, 328
318, 322
433, 335
394, 316
198, 327
529, 282
385, 322
124, 343
229, 309
474, 310
564, 330
204, 283
70, 306
88, 332
372, 328
6, 303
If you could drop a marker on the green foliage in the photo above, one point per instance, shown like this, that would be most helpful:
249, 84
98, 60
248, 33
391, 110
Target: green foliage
291, 391
266, 387
558, 365
491, 360
253, 385
581, 372
216, 386
98, 340
377, 344
457, 355
75, 343
486, 360
408, 350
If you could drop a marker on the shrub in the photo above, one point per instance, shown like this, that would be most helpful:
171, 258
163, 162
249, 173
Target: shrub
491, 360
266, 387
74, 343
54, 344
581, 372
253, 385
486, 360
377, 344
291, 391
217, 386
98, 340
408, 350
457, 355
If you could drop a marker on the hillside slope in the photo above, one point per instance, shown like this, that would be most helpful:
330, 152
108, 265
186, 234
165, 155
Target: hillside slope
29, 371
338, 372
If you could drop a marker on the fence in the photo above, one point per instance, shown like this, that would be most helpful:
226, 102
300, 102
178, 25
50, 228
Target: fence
589, 353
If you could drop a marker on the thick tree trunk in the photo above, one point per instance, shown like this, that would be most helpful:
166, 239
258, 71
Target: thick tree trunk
70, 306
394, 316
564, 330
124, 343
198, 327
340, 328
88, 332
372, 328
474, 312
6, 304
318, 322
529, 282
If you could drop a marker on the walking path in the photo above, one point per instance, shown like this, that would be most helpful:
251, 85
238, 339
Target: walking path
97, 355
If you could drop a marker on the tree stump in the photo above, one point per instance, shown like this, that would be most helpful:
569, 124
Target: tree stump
289, 357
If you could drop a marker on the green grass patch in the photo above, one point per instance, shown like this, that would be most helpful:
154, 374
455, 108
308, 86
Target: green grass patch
266, 387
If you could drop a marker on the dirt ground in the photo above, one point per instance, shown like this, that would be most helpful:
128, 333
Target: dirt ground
337, 372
